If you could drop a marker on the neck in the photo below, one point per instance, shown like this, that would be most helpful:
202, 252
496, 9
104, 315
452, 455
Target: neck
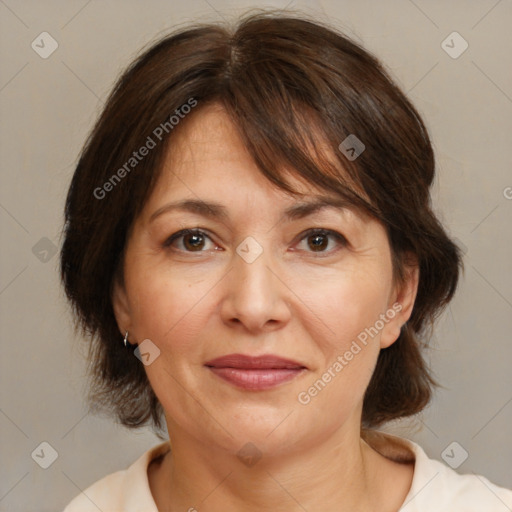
340, 473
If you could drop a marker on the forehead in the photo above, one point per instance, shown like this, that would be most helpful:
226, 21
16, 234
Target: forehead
208, 139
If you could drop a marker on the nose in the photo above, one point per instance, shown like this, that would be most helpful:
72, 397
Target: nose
256, 297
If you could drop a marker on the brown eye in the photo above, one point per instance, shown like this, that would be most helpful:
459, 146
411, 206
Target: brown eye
193, 242
318, 240
188, 240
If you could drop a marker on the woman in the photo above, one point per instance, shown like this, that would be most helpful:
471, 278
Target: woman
250, 243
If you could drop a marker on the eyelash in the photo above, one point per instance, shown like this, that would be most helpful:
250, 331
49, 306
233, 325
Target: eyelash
310, 232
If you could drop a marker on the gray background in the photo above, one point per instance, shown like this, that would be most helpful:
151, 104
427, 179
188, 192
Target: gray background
47, 108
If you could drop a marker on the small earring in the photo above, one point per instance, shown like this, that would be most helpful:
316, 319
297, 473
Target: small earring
126, 339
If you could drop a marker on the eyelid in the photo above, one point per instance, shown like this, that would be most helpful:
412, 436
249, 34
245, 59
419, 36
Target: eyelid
183, 232
341, 239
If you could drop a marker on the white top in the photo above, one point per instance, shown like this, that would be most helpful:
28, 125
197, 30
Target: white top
435, 486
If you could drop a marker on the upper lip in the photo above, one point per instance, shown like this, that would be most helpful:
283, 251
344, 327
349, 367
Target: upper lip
268, 361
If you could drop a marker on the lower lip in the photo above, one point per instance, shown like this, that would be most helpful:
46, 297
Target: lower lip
256, 379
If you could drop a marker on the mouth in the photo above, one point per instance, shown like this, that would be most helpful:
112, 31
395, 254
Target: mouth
255, 373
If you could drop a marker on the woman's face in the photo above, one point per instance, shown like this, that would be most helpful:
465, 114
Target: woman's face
255, 281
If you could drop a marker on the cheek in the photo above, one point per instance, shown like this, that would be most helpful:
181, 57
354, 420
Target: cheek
342, 317
169, 305
342, 307
172, 311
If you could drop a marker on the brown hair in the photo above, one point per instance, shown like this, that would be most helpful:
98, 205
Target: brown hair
283, 80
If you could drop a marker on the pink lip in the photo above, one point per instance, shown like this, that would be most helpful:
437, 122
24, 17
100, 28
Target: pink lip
256, 373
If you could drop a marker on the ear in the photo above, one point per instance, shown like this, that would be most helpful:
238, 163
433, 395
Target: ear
121, 307
401, 302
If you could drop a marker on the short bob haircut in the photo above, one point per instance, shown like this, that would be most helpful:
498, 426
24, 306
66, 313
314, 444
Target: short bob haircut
293, 87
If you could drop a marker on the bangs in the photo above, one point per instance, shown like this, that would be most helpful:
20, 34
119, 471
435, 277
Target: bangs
290, 141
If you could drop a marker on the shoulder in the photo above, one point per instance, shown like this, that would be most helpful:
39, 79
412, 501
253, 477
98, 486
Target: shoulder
105, 494
127, 490
436, 486
436, 483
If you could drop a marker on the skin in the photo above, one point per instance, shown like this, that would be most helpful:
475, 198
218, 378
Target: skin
294, 301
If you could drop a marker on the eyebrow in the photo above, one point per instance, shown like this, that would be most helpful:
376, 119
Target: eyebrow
218, 211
